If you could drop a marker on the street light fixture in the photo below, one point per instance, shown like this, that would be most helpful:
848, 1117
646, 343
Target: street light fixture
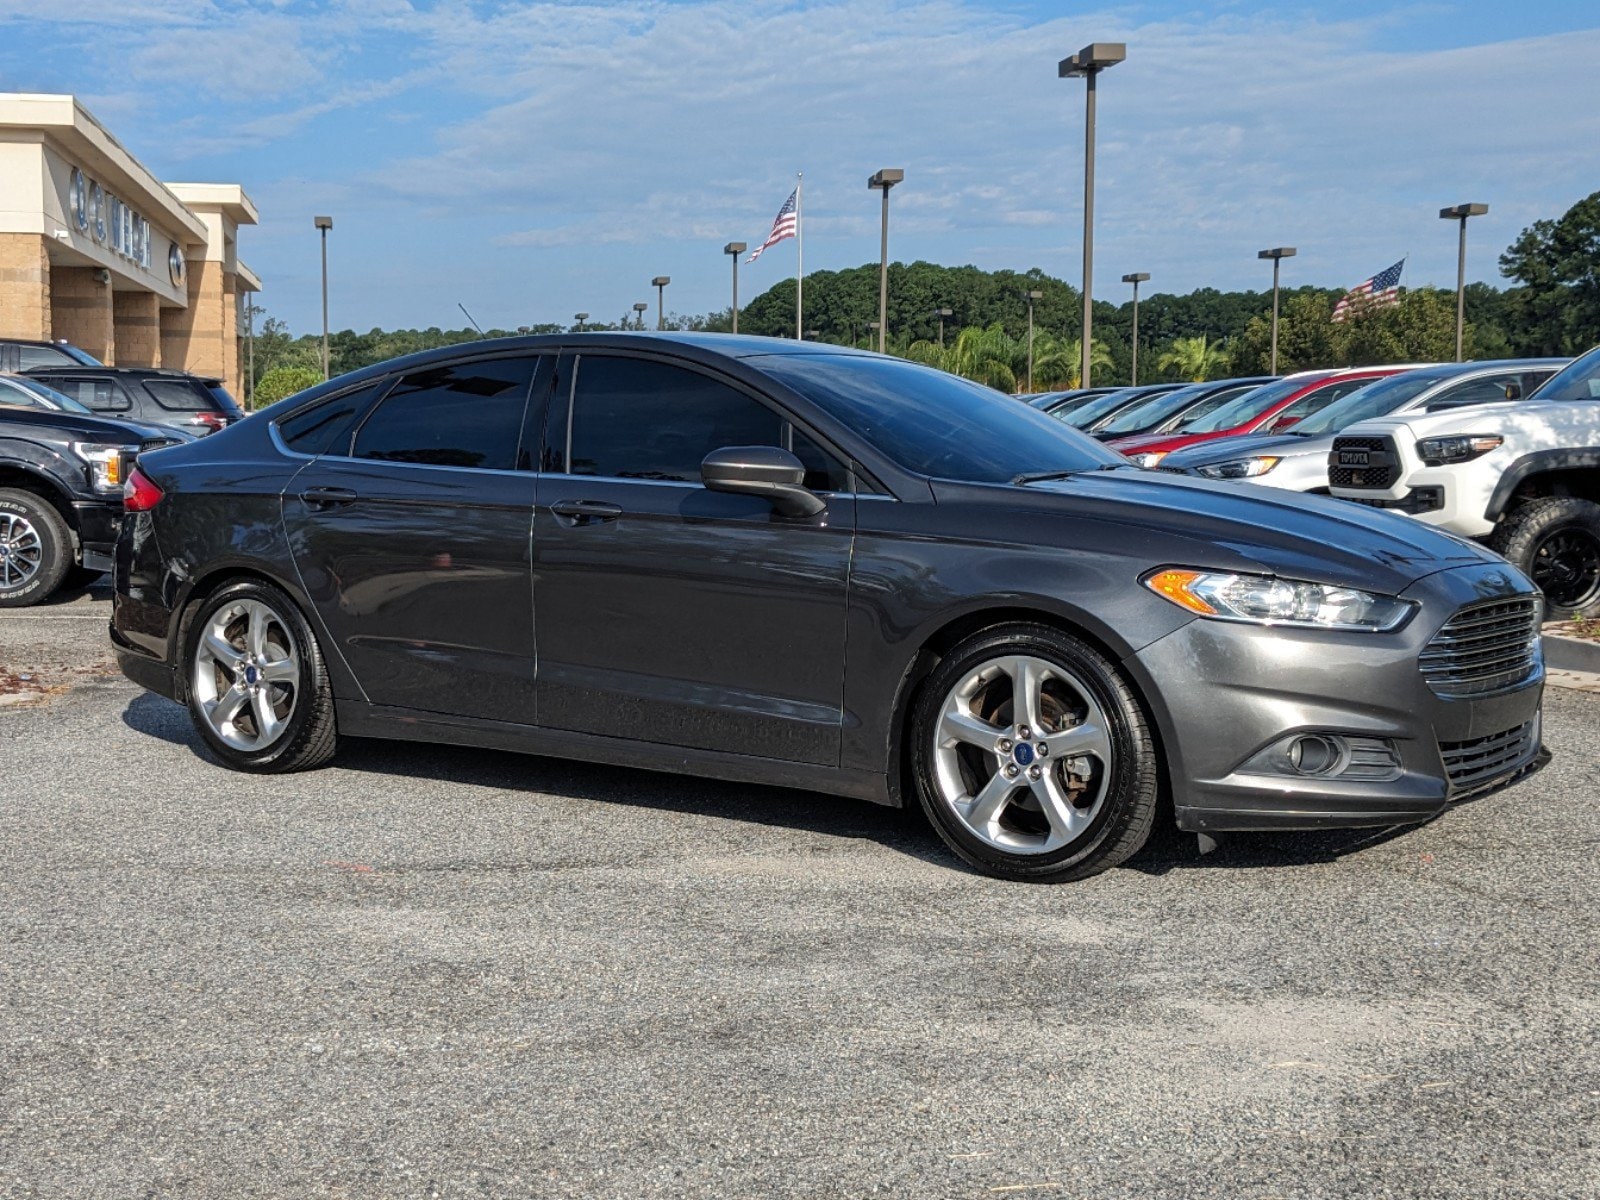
884, 180
1136, 279
324, 224
1088, 63
580, 318
733, 250
639, 311
1030, 297
942, 313
1277, 254
660, 284
1461, 212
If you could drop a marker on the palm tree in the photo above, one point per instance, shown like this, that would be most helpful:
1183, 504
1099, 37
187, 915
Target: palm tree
987, 355
1194, 358
1058, 362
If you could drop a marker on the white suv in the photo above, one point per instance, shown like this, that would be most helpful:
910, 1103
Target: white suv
1525, 477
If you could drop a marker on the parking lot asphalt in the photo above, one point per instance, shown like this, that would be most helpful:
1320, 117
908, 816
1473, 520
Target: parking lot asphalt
428, 972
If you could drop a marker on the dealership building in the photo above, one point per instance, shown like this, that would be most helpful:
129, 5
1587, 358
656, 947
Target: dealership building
96, 251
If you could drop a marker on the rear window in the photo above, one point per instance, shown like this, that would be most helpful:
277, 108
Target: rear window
325, 428
224, 399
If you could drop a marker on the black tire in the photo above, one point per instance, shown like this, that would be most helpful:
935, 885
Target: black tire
1555, 541
1130, 800
49, 548
310, 736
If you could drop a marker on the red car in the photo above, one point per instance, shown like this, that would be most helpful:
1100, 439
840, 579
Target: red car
1273, 406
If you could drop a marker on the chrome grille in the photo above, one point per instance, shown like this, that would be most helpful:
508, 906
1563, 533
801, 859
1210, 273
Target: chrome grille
1384, 466
1484, 760
1483, 649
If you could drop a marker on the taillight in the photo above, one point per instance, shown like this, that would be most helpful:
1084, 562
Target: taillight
212, 421
139, 494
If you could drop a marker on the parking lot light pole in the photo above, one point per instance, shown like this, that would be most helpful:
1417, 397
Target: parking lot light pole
1088, 63
1030, 297
1277, 254
660, 284
1136, 279
580, 318
872, 328
942, 313
639, 310
1460, 212
884, 180
323, 225
733, 250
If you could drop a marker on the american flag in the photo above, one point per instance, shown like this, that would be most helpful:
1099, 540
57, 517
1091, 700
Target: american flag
1383, 288
782, 226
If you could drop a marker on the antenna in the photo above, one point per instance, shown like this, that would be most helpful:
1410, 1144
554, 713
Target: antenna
468, 315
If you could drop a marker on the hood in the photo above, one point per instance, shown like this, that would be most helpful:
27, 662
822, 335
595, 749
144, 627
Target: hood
81, 428
1183, 520
1244, 446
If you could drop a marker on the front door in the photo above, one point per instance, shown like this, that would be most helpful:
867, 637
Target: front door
668, 613
411, 538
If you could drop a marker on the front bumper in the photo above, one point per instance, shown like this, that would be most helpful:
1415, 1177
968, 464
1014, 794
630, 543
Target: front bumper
99, 522
1224, 692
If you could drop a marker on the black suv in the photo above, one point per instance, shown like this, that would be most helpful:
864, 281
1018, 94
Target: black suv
23, 355
193, 403
61, 477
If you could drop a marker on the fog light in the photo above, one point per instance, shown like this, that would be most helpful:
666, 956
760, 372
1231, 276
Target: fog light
1316, 754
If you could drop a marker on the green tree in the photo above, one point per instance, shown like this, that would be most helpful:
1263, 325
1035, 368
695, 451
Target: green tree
1420, 327
284, 381
1307, 337
1195, 359
1556, 311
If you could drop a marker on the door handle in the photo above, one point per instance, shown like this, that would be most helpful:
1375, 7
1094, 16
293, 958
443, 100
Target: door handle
328, 497
584, 512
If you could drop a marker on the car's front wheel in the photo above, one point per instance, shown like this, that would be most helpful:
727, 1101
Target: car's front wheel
257, 688
1555, 541
1033, 757
35, 549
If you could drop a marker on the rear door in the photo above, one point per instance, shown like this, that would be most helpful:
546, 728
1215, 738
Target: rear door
411, 537
669, 613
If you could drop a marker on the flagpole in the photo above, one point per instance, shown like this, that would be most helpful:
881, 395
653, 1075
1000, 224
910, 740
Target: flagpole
800, 259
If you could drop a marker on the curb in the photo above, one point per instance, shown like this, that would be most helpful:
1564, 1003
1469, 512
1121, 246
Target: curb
1571, 654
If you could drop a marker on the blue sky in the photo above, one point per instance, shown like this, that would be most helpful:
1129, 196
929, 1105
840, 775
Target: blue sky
535, 159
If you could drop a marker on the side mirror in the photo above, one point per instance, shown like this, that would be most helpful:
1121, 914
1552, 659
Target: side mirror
1283, 423
766, 471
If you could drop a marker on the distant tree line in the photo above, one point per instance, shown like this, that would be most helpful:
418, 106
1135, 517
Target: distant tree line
1551, 308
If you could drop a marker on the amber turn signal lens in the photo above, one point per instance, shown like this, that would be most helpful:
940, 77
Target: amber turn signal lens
1174, 585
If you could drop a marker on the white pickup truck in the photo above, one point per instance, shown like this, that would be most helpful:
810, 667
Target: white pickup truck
1524, 477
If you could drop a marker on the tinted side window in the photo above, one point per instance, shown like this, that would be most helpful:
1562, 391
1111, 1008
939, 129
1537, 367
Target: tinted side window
43, 356
1476, 391
325, 428
11, 394
179, 395
462, 415
99, 394
634, 419
1320, 399
824, 472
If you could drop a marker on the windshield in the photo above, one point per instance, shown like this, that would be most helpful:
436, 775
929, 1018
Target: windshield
933, 423
1085, 415
1251, 405
1579, 380
1155, 411
1374, 400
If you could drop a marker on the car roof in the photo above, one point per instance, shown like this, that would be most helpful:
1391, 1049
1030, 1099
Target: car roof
1444, 371
131, 372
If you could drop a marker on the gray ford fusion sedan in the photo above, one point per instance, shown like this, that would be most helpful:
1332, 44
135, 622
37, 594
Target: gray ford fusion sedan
790, 563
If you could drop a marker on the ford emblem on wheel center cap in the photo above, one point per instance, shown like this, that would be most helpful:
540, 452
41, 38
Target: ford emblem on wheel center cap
1023, 753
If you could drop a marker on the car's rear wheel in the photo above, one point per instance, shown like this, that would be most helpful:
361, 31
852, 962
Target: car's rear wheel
35, 549
1033, 757
257, 687
1555, 541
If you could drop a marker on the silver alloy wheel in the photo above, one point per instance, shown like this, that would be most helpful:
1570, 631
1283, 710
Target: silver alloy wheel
246, 675
21, 550
1022, 754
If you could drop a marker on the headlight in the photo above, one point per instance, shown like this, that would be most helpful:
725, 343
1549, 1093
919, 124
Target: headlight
1264, 600
105, 463
1148, 460
1439, 450
1239, 468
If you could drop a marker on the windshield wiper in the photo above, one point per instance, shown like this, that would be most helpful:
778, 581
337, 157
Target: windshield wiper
1045, 476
